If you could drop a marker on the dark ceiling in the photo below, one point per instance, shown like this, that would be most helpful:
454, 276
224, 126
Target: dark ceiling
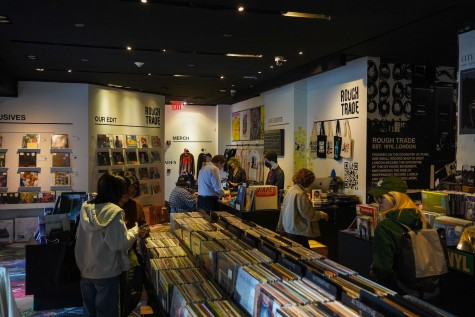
192, 38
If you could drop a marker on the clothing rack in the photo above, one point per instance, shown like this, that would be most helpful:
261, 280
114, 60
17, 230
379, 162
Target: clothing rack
245, 144
335, 119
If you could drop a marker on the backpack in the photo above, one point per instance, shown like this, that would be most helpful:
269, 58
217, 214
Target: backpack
421, 260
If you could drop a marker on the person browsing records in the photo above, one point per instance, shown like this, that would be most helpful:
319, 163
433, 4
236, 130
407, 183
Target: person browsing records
181, 199
276, 175
209, 184
102, 245
237, 175
298, 220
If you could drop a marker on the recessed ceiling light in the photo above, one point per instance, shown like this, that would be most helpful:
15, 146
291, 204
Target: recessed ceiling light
70, 70
4, 19
32, 57
294, 14
143, 1
40, 69
271, 66
191, 65
259, 72
129, 48
114, 85
222, 90
150, 74
84, 60
79, 25
164, 50
227, 35
240, 8
181, 75
222, 77
300, 53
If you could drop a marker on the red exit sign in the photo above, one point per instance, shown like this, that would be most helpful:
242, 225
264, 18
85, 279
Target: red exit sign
177, 105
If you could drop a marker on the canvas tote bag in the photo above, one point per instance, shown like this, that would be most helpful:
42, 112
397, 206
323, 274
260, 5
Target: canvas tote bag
330, 140
337, 142
313, 141
346, 142
322, 142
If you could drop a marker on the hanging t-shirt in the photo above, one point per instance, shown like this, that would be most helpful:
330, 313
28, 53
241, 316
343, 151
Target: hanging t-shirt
187, 163
256, 165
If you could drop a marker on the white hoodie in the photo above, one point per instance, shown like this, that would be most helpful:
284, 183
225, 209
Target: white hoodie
103, 241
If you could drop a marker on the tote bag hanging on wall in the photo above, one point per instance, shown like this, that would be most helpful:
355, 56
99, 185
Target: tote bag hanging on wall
347, 142
313, 141
322, 142
337, 142
330, 140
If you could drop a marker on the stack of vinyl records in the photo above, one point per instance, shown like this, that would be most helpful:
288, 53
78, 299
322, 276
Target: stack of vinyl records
198, 236
224, 308
302, 253
209, 252
169, 278
328, 267
193, 293
158, 265
158, 235
185, 226
181, 215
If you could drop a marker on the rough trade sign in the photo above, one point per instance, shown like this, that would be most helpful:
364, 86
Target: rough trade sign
152, 116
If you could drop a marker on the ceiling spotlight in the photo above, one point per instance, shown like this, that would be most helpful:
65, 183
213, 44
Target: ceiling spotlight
279, 60
70, 70
139, 64
240, 8
221, 77
40, 69
4, 19
32, 57
143, 1
129, 48
79, 25
300, 53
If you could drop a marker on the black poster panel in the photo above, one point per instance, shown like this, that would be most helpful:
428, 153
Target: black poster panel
274, 140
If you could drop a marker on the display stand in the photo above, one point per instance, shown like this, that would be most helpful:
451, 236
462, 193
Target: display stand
268, 218
41, 266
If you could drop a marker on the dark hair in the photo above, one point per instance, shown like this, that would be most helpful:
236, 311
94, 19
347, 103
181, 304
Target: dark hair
303, 177
271, 156
110, 188
183, 181
130, 179
219, 158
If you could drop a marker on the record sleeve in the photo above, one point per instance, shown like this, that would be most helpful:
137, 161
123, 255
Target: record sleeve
155, 188
2, 159
46, 197
119, 141
103, 158
144, 141
154, 172
28, 198
31, 141
3, 179
154, 157
144, 190
156, 142
103, 141
131, 157
27, 159
61, 159
59, 141
118, 158
143, 157
144, 173
29, 179
131, 141
62, 178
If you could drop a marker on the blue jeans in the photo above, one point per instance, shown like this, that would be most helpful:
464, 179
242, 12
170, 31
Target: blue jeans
100, 297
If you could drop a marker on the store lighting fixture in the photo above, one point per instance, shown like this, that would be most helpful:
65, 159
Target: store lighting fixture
240, 8
70, 70
221, 77
40, 69
32, 57
4, 19
129, 48
300, 53
244, 55
143, 1
114, 85
180, 75
305, 15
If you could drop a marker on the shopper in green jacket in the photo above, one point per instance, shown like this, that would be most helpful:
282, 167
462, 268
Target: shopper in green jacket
396, 206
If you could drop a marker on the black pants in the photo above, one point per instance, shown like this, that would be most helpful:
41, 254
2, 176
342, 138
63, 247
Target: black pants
209, 203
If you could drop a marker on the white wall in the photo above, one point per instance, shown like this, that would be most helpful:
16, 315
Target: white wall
114, 111
465, 142
49, 108
197, 126
324, 94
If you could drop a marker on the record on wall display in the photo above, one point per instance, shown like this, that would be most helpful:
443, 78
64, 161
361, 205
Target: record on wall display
384, 71
372, 91
397, 107
383, 108
399, 72
372, 106
384, 90
372, 72
398, 90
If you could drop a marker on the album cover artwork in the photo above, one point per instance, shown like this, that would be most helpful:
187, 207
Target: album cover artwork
154, 172
103, 159
154, 157
156, 141
28, 197
118, 158
1, 141
144, 173
103, 141
119, 141
2, 159
132, 170
3, 179
143, 157
155, 188
61, 159
144, 141
59, 141
62, 178
27, 159
132, 157
144, 190
28, 179
46, 197
132, 141
30, 141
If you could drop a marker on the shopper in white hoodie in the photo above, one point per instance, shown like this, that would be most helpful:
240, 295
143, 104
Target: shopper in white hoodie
101, 247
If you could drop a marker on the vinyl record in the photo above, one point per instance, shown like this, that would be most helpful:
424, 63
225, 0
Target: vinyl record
372, 72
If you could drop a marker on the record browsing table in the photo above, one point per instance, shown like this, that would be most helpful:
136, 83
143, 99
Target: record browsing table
267, 218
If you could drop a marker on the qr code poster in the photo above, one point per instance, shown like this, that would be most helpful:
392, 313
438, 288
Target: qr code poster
351, 175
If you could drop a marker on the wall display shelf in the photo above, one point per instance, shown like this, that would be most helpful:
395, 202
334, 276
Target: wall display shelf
61, 188
61, 151
61, 169
3, 189
3, 150
28, 150
3, 169
29, 189
29, 169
